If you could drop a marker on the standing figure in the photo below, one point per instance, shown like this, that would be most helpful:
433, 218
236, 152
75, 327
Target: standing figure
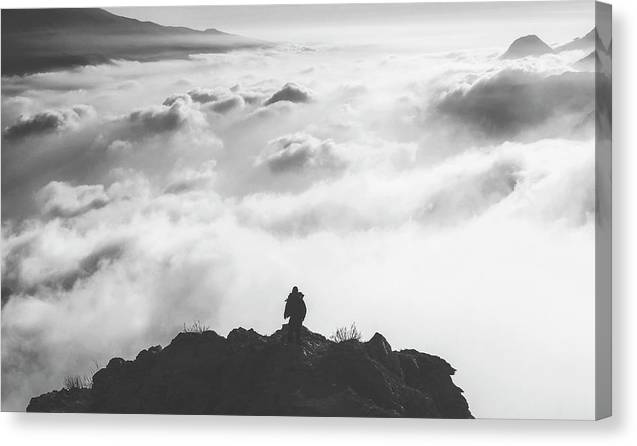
295, 309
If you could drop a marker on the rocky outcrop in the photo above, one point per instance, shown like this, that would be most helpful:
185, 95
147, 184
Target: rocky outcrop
250, 374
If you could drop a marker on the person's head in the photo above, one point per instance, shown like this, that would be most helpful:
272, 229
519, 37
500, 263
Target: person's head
295, 289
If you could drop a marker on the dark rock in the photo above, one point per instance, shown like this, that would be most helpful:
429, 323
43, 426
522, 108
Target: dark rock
244, 338
115, 363
251, 374
380, 350
65, 400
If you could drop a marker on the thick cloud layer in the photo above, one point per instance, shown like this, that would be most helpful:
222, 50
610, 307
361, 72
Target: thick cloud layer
298, 152
159, 119
59, 199
514, 101
445, 200
47, 122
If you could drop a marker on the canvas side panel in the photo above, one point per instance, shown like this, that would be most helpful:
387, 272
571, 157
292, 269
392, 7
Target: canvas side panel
603, 227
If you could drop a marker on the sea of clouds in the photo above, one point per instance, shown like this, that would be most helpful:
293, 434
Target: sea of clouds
445, 200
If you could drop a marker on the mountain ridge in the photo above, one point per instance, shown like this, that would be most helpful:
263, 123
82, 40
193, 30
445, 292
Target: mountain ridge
587, 41
51, 19
37, 40
247, 373
532, 45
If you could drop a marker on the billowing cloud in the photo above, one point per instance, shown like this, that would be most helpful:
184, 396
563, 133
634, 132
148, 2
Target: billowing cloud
227, 104
290, 92
59, 199
274, 111
172, 99
294, 153
513, 101
219, 100
161, 119
203, 95
61, 273
191, 179
198, 95
47, 121
252, 97
505, 181
119, 146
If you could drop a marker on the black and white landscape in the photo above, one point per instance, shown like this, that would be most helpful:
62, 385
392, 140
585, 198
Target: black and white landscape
426, 171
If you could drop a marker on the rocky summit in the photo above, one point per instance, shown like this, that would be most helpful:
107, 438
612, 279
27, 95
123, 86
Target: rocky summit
251, 374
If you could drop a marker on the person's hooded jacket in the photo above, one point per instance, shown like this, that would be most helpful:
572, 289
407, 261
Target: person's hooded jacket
295, 307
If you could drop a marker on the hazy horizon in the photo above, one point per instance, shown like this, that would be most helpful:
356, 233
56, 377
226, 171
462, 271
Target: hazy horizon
466, 25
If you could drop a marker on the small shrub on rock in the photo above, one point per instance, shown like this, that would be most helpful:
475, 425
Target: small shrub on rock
344, 334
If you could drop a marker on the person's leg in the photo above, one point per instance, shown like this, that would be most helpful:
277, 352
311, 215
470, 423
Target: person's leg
295, 330
290, 331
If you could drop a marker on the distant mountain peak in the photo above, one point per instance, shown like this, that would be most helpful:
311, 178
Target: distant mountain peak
37, 40
530, 45
589, 62
586, 42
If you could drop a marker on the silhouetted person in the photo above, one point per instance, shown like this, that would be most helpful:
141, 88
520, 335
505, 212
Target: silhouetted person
295, 309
